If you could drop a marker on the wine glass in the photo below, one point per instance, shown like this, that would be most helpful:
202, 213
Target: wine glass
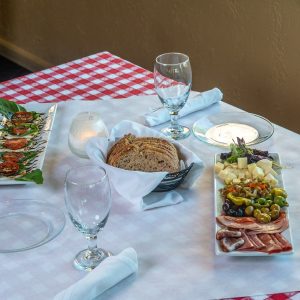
88, 201
173, 81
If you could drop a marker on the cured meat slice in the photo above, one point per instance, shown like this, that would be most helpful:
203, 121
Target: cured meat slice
285, 244
231, 244
256, 241
224, 232
272, 246
251, 224
248, 245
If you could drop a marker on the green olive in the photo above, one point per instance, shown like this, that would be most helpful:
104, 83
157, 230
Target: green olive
265, 210
263, 218
269, 202
256, 205
261, 201
280, 201
249, 210
269, 196
279, 192
274, 214
275, 207
256, 212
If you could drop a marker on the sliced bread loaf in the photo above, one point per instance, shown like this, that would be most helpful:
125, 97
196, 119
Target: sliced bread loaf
146, 154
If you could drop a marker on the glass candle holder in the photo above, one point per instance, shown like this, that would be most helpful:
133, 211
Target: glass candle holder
85, 126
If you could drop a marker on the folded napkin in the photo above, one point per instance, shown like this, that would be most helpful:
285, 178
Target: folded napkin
111, 271
194, 103
134, 185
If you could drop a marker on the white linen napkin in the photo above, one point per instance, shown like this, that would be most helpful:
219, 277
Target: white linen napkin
194, 103
134, 185
111, 271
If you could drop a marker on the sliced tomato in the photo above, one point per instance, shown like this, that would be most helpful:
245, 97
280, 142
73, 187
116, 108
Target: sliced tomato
9, 168
22, 117
13, 156
19, 130
15, 144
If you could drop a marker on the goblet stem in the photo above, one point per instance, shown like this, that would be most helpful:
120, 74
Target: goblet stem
174, 120
92, 242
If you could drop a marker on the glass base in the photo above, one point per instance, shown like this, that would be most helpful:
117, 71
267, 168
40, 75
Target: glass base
88, 260
178, 133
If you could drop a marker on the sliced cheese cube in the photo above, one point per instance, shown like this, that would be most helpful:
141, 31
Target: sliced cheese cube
264, 163
270, 170
271, 179
234, 165
223, 173
218, 167
242, 162
236, 180
230, 176
248, 175
226, 164
251, 167
258, 173
242, 174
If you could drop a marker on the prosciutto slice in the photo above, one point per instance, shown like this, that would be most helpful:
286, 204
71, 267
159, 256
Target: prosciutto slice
224, 232
231, 244
250, 224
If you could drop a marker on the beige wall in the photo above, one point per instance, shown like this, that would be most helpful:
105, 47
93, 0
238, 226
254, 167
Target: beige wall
248, 48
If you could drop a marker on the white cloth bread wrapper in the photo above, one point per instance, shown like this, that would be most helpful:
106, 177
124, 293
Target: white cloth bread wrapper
134, 185
110, 272
194, 103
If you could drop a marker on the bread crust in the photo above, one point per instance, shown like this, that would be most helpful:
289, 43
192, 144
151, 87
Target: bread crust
148, 154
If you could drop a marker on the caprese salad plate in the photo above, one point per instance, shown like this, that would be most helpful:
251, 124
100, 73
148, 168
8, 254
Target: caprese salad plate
251, 204
24, 134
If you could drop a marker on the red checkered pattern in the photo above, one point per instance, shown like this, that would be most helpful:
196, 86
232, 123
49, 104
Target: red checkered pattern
280, 296
98, 76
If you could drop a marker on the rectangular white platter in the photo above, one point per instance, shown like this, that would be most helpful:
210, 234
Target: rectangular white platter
49, 111
218, 184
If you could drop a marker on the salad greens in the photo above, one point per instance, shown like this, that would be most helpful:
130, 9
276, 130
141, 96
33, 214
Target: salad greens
35, 176
9, 107
240, 149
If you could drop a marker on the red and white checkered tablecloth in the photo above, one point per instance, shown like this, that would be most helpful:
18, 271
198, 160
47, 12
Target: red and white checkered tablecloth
98, 76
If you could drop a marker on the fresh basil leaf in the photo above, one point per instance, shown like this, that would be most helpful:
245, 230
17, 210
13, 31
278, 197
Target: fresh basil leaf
9, 107
35, 176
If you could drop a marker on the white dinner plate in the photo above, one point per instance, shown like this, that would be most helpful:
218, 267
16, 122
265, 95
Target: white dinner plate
41, 140
218, 184
222, 128
27, 223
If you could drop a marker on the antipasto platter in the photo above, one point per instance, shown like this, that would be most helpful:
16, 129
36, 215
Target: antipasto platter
251, 205
24, 135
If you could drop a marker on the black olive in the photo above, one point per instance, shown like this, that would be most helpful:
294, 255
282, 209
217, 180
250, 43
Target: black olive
240, 212
231, 212
226, 207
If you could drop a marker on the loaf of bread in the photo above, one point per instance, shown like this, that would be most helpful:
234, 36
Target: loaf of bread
146, 154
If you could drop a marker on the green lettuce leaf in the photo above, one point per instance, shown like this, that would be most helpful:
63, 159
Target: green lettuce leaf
8, 107
35, 176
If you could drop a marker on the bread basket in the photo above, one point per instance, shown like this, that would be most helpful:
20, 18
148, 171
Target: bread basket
173, 180
137, 184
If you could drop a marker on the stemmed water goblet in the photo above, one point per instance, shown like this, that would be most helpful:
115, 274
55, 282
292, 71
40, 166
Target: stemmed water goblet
88, 202
173, 80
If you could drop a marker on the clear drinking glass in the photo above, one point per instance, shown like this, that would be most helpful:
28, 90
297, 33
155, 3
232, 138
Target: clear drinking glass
173, 81
88, 201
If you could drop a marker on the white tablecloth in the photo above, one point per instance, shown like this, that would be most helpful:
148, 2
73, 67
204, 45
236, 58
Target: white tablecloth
175, 244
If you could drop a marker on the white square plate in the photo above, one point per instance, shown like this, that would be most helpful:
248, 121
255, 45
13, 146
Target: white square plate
48, 110
218, 184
